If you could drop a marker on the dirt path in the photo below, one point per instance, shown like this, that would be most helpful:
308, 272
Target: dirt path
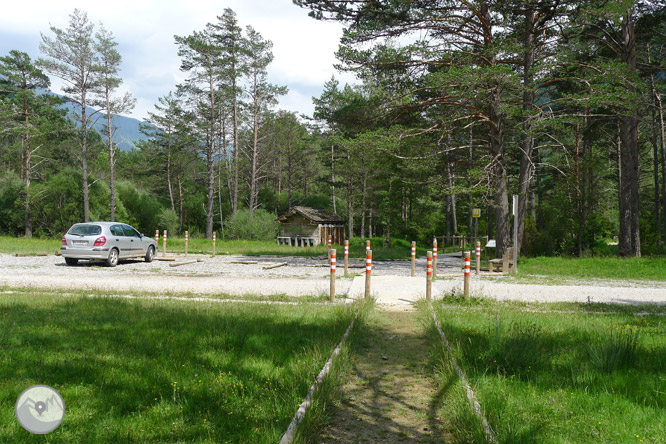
389, 397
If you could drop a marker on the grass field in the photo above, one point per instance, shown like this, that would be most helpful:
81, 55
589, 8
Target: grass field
563, 374
152, 372
643, 268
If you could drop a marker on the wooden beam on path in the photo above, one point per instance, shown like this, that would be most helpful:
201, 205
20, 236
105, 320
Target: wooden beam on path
177, 264
270, 267
245, 262
167, 259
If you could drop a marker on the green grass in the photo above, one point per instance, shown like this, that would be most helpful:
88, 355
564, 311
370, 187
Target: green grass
150, 371
644, 268
554, 375
21, 245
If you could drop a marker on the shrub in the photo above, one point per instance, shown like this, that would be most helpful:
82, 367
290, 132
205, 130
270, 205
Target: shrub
258, 225
168, 220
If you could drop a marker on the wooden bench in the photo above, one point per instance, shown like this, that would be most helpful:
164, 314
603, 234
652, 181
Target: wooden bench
506, 263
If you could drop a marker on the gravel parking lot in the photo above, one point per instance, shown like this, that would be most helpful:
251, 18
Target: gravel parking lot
248, 275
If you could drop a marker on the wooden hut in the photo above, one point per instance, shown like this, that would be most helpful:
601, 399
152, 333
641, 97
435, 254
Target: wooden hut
307, 227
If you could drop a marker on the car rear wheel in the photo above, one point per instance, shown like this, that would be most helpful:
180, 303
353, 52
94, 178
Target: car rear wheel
71, 261
112, 260
150, 254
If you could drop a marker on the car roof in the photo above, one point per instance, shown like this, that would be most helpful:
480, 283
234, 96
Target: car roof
101, 223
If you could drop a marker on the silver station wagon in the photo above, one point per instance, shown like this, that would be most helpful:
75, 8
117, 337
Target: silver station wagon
105, 241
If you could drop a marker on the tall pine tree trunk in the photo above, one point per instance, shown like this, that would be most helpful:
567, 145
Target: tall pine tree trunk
629, 239
527, 144
84, 157
210, 161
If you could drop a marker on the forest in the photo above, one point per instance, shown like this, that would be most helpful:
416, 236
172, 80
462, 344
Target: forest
458, 105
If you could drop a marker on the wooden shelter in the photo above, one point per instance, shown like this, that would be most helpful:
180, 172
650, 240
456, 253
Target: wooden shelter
307, 227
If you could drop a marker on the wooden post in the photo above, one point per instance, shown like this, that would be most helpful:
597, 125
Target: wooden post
367, 245
434, 258
478, 257
332, 296
368, 272
187, 240
164, 238
214, 239
429, 275
330, 244
346, 257
413, 258
466, 286
157, 238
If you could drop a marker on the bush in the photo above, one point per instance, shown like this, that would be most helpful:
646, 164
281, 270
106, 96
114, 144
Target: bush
259, 225
168, 220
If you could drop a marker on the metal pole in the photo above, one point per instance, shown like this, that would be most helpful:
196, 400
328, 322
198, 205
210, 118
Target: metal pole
429, 275
368, 272
332, 296
413, 258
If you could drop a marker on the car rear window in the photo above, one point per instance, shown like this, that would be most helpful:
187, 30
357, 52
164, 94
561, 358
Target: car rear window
85, 230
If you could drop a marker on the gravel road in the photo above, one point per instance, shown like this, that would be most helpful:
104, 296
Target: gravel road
300, 277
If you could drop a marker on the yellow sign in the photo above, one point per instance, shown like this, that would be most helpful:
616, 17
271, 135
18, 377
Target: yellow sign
476, 212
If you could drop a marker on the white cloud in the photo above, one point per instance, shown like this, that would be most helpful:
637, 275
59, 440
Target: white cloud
303, 47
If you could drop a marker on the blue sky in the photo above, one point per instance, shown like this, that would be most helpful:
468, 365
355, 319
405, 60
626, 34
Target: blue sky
303, 48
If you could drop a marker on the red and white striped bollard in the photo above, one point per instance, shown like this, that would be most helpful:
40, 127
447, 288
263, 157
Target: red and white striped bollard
333, 266
413, 258
428, 275
478, 257
187, 241
164, 238
346, 257
368, 272
434, 258
466, 287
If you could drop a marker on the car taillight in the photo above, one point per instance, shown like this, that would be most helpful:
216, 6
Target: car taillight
99, 241
64, 241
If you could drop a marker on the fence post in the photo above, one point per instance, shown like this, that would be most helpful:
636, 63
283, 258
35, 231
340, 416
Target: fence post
413, 258
434, 258
368, 272
466, 287
164, 238
157, 238
214, 239
330, 244
187, 241
346, 257
428, 275
332, 295
478, 257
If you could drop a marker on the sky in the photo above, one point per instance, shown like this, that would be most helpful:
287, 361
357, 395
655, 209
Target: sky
303, 48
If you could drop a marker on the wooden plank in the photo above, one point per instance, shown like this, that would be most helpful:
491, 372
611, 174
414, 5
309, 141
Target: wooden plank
270, 267
166, 259
178, 264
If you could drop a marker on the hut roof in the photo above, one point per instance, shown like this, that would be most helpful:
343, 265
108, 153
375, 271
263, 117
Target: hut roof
314, 214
